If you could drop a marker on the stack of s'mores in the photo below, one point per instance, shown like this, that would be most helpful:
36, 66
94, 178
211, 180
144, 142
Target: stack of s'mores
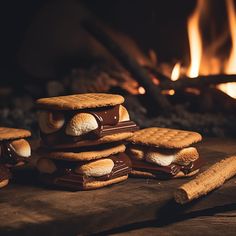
82, 140
164, 153
14, 151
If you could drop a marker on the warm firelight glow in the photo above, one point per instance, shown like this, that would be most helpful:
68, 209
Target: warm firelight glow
230, 67
170, 92
231, 63
229, 88
201, 63
205, 61
195, 42
175, 72
141, 90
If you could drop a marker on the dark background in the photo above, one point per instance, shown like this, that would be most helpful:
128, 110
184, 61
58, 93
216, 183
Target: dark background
157, 25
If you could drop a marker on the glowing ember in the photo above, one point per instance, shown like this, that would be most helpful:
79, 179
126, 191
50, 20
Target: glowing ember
155, 81
175, 72
229, 88
170, 92
141, 90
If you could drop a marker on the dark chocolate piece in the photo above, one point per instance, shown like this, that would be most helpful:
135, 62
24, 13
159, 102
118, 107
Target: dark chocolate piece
8, 155
66, 177
166, 171
106, 116
108, 124
4, 173
124, 126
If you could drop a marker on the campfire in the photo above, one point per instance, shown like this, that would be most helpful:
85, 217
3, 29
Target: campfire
205, 68
196, 90
203, 58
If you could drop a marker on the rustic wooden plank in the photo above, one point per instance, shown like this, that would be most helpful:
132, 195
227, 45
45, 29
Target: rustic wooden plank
32, 209
219, 224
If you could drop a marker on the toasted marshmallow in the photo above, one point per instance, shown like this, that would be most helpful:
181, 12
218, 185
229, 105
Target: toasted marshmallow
96, 168
81, 123
159, 158
4, 182
136, 152
21, 147
46, 166
186, 155
50, 122
123, 114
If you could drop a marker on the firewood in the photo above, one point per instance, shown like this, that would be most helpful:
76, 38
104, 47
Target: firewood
137, 71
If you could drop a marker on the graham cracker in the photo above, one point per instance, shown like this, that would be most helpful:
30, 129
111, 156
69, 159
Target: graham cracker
85, 155
149, 175
79, 101
12, 133
100, 184
165, 138
86, 143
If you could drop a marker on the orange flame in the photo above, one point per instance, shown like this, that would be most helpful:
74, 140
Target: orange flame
231, 64
176, 72
195, 42
205, 61
230, 67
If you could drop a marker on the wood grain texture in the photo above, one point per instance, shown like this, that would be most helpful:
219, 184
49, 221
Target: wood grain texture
29, 208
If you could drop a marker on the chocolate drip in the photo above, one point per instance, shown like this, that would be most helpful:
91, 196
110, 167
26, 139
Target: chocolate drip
108, 124
8, 155
66, 177
4, 173
166, 171
108, 116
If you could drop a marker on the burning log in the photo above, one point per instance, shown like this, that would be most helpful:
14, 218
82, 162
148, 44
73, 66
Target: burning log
138, 72
200, 81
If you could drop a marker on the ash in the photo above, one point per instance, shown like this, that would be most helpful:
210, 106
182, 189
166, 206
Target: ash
18, 110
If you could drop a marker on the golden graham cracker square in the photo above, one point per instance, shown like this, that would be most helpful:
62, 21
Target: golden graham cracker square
12, 133
79, 101
165, 138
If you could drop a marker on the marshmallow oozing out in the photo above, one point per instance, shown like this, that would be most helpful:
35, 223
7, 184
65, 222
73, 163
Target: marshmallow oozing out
96, 168
181, 157
160, 158
137, 152
21, 147
50, 122
83, 123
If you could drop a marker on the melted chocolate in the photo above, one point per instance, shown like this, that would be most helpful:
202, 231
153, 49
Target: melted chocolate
107, 116
166, 171
66, 177
108, 123
8, 155
4, 173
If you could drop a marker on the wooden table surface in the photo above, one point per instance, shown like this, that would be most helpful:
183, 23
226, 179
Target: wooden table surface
137, 206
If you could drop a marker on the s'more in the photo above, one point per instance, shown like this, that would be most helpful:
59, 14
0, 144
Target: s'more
164, 153
14, 151
82, 140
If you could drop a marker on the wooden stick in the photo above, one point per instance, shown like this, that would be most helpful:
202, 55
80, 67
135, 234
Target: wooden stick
138, 72
207, 181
